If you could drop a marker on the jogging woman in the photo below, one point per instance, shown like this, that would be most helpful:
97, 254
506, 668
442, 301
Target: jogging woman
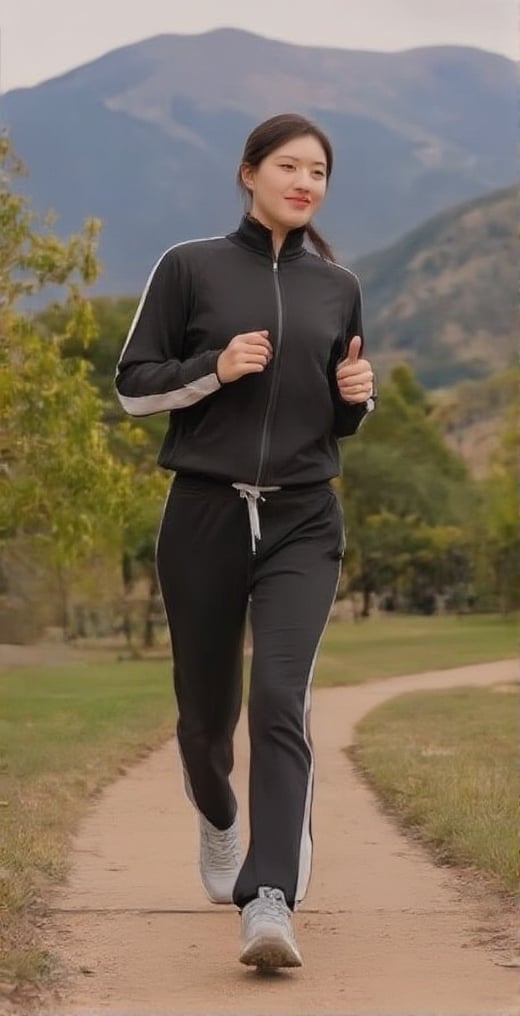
253, 345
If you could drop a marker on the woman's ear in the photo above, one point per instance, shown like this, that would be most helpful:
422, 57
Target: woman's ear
248, 177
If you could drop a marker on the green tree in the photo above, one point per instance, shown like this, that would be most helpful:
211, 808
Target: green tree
141, 519
500, 517
61, 488
406, 496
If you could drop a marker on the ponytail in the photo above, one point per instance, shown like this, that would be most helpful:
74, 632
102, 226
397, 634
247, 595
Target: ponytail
319, 244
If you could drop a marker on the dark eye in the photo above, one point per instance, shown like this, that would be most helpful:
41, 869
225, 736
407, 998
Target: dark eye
286, 165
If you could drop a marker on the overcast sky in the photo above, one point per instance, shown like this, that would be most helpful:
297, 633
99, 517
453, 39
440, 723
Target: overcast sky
43, 38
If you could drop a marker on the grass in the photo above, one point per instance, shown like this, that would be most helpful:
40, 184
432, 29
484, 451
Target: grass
394, 645
445, 764
65, 732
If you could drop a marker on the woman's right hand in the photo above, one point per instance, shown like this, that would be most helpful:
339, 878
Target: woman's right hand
246, 354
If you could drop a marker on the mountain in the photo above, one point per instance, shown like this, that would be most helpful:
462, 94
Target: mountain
444, 298
148, 137
474, 415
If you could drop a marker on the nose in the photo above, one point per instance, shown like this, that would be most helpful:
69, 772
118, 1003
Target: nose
303, 181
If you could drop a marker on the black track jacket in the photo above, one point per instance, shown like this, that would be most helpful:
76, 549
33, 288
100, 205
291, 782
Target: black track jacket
278, 427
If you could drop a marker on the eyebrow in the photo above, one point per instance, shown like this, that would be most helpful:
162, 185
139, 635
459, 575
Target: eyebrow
296, 159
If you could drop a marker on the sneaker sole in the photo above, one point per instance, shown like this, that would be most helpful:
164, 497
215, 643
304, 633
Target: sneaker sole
218, 895
269, 953
213, 898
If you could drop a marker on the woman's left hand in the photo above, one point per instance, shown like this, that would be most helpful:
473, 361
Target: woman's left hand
355, 377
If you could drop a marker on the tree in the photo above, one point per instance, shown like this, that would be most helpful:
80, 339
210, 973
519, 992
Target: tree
61, 489
140, 521
406, 496
501, 517
131, 443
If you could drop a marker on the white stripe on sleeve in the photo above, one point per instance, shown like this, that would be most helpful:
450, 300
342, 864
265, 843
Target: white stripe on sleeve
145, 405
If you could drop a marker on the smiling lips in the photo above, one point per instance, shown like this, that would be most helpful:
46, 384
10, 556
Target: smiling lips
301, 202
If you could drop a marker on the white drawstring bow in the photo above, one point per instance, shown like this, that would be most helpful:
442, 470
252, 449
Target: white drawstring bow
253, 495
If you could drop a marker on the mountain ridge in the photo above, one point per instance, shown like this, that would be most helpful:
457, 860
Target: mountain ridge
148, 137
444, 296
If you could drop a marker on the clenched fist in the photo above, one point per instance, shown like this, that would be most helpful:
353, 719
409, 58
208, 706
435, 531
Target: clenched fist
246, 354
354, 376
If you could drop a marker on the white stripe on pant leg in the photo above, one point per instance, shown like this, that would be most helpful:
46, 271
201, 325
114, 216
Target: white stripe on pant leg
305, 860
186, 777
156, 550
187, 782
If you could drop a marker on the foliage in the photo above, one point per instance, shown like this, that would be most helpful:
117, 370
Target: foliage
60, 485
404, 497
501, 515
422, 531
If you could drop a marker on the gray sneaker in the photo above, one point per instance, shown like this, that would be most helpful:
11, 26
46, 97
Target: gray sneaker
219, 859
267, 934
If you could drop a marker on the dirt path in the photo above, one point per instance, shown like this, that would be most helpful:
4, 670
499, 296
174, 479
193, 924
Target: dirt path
382, 931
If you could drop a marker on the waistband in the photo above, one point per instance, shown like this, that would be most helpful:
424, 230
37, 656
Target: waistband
222, 481
252, 494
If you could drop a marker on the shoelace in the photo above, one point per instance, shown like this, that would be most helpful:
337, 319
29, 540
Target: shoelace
272, 901
223, 846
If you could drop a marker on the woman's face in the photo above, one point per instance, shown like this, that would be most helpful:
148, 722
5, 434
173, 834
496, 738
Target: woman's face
289, 185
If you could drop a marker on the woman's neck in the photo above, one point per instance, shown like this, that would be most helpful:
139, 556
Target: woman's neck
278, 232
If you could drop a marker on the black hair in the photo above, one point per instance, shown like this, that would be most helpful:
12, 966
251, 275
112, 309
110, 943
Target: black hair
270, 135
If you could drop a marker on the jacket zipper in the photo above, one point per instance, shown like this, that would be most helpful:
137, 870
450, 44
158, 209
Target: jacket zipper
266, 429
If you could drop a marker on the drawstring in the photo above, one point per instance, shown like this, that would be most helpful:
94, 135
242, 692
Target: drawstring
253, 495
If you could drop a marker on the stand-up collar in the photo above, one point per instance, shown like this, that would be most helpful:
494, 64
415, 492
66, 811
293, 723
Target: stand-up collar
253, 234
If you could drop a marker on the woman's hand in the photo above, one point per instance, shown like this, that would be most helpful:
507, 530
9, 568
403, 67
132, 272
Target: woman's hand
355, 377
246, 354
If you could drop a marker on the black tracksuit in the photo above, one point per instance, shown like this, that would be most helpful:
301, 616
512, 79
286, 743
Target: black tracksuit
251, 517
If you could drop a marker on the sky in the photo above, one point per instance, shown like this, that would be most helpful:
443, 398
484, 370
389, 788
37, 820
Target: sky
43, 38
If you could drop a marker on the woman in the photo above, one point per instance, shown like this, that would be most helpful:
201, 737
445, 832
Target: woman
253, 345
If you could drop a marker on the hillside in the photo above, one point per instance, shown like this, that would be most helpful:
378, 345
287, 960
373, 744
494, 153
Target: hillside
444, 298
148, 138
473, 416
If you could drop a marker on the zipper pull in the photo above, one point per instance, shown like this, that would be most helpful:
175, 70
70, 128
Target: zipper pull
275, 265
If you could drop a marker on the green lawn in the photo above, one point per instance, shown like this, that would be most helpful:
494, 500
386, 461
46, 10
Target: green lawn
445, 763
393, 645
65, 732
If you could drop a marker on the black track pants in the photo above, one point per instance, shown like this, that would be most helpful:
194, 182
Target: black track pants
208, 574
